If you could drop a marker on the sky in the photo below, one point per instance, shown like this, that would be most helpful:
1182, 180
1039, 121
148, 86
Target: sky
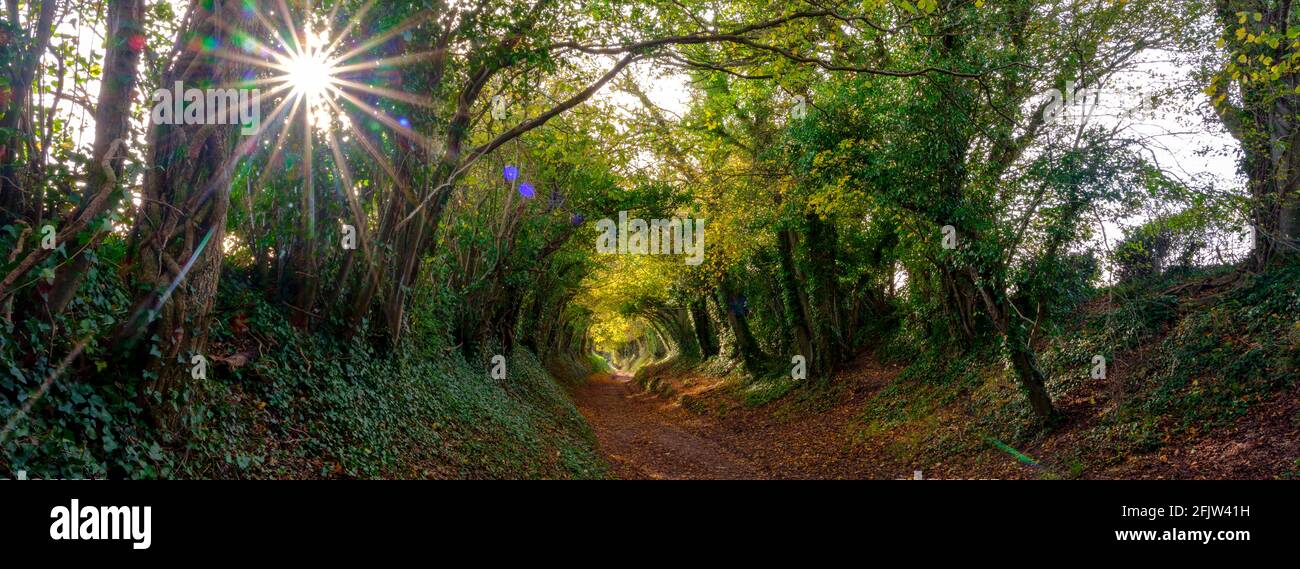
1174, 133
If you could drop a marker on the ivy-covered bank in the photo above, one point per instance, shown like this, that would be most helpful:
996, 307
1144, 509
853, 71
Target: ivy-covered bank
278, 403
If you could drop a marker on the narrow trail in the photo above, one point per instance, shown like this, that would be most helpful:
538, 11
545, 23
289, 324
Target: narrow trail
645, 437
648, 437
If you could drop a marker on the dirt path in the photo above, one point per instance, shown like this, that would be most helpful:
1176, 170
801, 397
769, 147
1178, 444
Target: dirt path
645, 437
649, 437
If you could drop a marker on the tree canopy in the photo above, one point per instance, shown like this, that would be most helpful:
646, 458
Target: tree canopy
943, 177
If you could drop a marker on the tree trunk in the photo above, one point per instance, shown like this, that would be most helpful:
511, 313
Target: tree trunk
112, 133
1031, 377
176, 250
675, 330
704, 332
1266, 127
306, 273
746, 346
507, 320
796, 303
822, 247
1023, 359
15, 202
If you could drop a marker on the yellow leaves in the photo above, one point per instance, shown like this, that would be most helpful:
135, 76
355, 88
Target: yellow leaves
927, 6
979, 3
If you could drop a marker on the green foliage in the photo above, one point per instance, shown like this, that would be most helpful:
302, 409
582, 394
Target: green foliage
1215, 363
827, 160
309, 406
1164, 243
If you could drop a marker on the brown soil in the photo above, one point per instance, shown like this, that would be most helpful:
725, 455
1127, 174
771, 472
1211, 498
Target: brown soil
646, 437
1265, 443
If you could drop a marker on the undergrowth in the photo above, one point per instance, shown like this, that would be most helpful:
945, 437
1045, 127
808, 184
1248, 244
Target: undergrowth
1177, 367
308, 405
1179, 363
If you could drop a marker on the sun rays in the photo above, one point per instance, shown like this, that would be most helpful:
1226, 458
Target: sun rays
323, 83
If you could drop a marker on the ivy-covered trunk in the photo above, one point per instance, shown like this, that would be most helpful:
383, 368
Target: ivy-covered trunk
20, 201
306, 273
175, 251
823, 279
103, 183
1025, 362
1262, 117
704, 331
1016, 341
796, 304
675, 323
746, 346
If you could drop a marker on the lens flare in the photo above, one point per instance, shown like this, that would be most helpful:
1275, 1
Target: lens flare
311, 75
330, 93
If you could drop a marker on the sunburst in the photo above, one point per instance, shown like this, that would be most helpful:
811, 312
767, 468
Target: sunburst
322, 81
310, 71
324, 77
310, 76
